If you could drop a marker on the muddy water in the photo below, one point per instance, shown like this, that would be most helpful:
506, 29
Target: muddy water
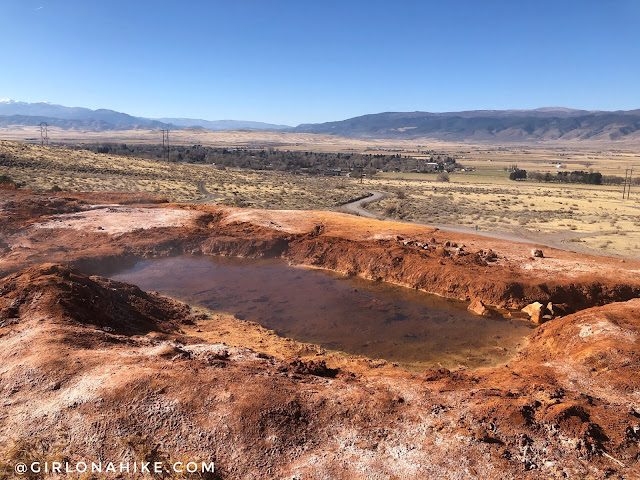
352, 315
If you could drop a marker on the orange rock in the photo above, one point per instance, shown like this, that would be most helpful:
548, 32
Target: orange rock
477, 307
535, 311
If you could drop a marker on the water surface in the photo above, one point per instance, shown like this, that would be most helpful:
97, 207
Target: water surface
353, 315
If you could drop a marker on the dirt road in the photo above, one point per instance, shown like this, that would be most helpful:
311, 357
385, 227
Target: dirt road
356, 207
556, 240
208, 196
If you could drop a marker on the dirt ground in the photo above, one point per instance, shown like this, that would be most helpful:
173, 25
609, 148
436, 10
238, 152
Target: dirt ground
92, 368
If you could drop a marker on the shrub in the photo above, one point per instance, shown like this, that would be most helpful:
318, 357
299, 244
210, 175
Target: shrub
443, 177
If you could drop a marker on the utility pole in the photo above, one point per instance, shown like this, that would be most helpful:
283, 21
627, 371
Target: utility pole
624, 184
44, 133
626, 188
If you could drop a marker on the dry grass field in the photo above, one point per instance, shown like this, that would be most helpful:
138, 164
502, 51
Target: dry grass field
42, 168
192, 136
578, 217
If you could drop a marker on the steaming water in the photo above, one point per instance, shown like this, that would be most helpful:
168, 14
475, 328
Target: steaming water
352, 315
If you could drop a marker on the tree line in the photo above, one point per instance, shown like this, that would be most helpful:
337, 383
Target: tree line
578, 176
293, 161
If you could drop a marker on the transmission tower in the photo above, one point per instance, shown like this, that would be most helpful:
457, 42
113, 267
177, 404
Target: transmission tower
44, 133
165, 141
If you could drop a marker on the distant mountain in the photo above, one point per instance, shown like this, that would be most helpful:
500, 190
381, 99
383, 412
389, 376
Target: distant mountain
223, 124
543, 124
28, 120
496, 126
76, 117
22, 113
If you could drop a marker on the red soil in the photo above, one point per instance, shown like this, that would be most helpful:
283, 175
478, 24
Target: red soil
92, 368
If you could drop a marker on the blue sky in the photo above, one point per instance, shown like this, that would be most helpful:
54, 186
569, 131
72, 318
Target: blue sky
311, 61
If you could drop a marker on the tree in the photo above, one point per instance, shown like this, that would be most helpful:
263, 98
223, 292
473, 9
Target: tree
518, 175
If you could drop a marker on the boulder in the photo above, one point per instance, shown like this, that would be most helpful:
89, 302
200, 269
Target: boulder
536, 252
319, 368
558, 309
477, 307
487, 255
491, 256
535, 311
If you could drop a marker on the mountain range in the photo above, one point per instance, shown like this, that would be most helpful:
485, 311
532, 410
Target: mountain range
23, 113
543, 124
538, 125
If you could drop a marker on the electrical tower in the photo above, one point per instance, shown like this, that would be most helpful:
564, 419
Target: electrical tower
165, 141
44, 133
